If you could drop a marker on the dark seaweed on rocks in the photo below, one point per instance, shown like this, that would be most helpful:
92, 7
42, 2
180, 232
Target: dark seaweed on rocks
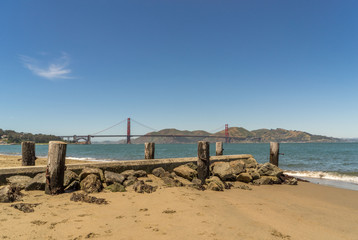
80, 197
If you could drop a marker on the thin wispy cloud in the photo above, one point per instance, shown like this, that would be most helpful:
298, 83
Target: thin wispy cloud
52, 70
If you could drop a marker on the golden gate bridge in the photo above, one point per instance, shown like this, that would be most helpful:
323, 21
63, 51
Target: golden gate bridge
128, 136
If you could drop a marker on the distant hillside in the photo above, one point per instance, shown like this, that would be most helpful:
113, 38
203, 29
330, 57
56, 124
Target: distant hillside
10, 136
260, 135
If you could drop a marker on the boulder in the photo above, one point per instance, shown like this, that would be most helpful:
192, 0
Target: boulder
250, 162
69, 177
253, 173
268, 169
9, 194
129, 182
37, 183
18, 181
88, 171
170, 182
116, 187
291, 181
140, 173
237, 166
158, 171
267, 180
91, 183
141, 187
112, 177
186, 172
73, 186
244, 177
223, 170
192, 166
127, 173
215, 184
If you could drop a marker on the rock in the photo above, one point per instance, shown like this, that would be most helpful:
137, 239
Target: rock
268, 169
140, 173
170, 182
88, 171
186, 172
25, 207
291, 181
128, 173
18, 181
37, 183
223, 170
250, 162
196, 181
183, 181
158, 171
91, 183
74, 186
10, 194
244, 187
267, 180
215, 184
130, 181
116, 187
141, 187
244, 177
237, 167
192, 166
70, 176
173, 175
80, 197
253, 173
112, 177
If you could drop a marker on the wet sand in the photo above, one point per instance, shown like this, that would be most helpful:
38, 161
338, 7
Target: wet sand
306, 211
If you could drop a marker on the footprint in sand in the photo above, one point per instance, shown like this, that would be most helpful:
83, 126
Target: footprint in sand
143, 209
169, 211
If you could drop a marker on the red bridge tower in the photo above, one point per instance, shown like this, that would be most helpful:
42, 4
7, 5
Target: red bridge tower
128, 131
227, 138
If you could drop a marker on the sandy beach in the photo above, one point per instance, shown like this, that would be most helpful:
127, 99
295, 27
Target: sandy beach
306, 211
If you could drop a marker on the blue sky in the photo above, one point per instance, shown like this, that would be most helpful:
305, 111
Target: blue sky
76, 67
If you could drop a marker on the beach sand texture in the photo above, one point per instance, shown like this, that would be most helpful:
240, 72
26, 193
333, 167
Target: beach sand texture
306, 211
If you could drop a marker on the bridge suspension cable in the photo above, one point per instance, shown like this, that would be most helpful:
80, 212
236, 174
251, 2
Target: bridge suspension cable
141, 124
221, 128
110, 127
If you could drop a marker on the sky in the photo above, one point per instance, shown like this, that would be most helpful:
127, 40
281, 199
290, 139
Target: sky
77, 67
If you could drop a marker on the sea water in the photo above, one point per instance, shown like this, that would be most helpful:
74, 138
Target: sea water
324, 163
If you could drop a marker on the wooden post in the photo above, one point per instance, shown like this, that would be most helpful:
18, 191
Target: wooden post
203, 161
219, 148
149, 149
274, 152
55, 167
28, 153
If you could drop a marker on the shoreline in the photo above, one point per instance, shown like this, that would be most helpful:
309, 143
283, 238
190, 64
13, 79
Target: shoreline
7, 160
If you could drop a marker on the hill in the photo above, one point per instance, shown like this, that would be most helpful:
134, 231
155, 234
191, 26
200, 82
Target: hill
11, 137
260, 135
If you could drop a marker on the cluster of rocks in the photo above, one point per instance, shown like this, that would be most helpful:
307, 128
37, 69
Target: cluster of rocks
91, 180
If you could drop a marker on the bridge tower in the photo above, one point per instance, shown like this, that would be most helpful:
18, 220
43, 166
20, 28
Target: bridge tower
227, 139
128, 131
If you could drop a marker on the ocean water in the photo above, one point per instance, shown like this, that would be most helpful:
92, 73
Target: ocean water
333, 164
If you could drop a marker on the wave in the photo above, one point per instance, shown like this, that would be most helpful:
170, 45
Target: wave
335, 176
89, 159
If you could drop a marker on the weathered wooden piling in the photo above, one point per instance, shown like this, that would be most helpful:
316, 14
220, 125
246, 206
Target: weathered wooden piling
274, 152
28, 153
55, 167
149, 149
219, 148
203, 160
